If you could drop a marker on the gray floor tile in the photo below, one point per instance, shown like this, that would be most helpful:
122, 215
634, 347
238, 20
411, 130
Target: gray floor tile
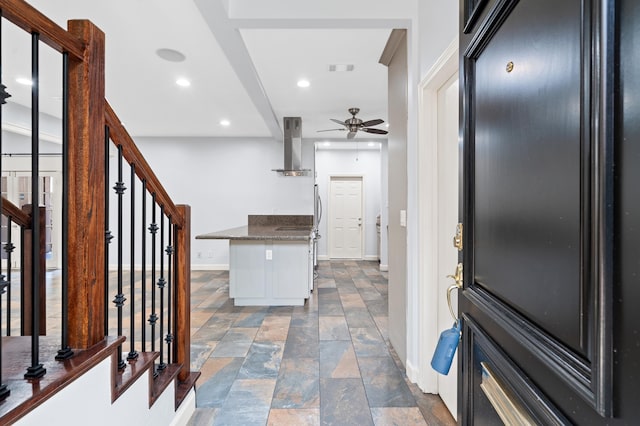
384, 383
214, 391
298, 384
344, 403
302, 342
338, 360
327, 362
262, 361
368, 342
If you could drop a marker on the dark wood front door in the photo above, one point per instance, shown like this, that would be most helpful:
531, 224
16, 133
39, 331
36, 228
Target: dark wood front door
550, 119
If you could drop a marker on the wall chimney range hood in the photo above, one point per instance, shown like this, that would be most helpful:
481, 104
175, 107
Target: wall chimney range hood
292, 148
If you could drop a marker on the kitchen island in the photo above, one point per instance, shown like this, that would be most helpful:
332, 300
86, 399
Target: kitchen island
270, 260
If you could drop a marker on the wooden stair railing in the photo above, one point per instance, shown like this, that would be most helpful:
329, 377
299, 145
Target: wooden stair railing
180, 217
86, 114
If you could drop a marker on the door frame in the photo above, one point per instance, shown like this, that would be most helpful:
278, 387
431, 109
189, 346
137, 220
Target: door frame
330, 210
426, 302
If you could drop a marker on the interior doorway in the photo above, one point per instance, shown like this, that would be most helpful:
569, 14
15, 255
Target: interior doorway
438, 200
345, 217
447, 219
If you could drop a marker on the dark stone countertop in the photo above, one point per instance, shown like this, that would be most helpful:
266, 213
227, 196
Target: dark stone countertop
267, 227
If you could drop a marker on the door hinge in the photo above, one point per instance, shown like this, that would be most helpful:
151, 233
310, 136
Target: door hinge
457, 240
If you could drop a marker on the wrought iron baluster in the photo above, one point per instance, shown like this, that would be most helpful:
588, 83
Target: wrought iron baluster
36, 369
107, 232
153, 228
132, 352
4, 390
143, 277
170, 297
23, 300
65, 351
161, 286
8, 248
120, 299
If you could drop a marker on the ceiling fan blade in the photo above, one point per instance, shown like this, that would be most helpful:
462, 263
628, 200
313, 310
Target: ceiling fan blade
376, 131
351, 135
372, 122
338, 121
330, 130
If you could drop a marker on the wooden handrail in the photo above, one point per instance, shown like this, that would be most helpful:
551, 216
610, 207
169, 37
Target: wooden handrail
132, 154
29, 19
17, 215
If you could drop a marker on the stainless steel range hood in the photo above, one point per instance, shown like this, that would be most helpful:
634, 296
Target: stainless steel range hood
292, 148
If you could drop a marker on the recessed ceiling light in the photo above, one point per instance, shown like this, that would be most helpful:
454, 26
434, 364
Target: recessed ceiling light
25, 81
170, 55
225, 123
303, 83
327, 144
341, 67
183, 82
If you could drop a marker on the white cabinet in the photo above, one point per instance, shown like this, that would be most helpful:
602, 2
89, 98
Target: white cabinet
269, 272
247, 265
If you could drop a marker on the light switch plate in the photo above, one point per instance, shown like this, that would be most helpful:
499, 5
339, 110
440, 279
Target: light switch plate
403, 218
269, 254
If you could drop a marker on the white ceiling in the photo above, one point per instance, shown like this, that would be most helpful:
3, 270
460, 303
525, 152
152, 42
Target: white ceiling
243, 58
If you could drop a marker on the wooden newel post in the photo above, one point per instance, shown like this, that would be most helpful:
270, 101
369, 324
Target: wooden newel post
183, 294
86, 195
27, 289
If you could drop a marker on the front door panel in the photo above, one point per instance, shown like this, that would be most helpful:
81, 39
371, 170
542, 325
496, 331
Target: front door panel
537, 79
527, 166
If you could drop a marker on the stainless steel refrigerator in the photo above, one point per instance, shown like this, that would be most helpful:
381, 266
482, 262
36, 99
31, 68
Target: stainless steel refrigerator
317, 216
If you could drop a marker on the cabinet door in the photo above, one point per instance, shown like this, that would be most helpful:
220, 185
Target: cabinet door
247, 269
290, 269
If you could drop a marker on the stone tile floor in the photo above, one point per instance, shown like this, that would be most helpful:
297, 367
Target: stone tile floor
328, 362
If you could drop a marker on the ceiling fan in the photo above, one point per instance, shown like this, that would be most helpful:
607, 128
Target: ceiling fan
353, 124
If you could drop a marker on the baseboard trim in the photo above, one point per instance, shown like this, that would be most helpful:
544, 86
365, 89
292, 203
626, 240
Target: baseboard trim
369, 257
412, 372
384, 268
194, 267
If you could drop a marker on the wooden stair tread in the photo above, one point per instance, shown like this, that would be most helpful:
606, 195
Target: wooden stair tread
28, 394
183, 387
164, 379
134, 369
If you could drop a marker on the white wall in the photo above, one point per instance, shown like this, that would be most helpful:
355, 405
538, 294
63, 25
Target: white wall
437, 26
223, 181
351, 162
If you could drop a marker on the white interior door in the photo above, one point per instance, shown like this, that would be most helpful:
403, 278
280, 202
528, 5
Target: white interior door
447, 213
345, 218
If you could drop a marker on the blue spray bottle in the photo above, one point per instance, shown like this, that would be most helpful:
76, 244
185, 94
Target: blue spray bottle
446, 349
